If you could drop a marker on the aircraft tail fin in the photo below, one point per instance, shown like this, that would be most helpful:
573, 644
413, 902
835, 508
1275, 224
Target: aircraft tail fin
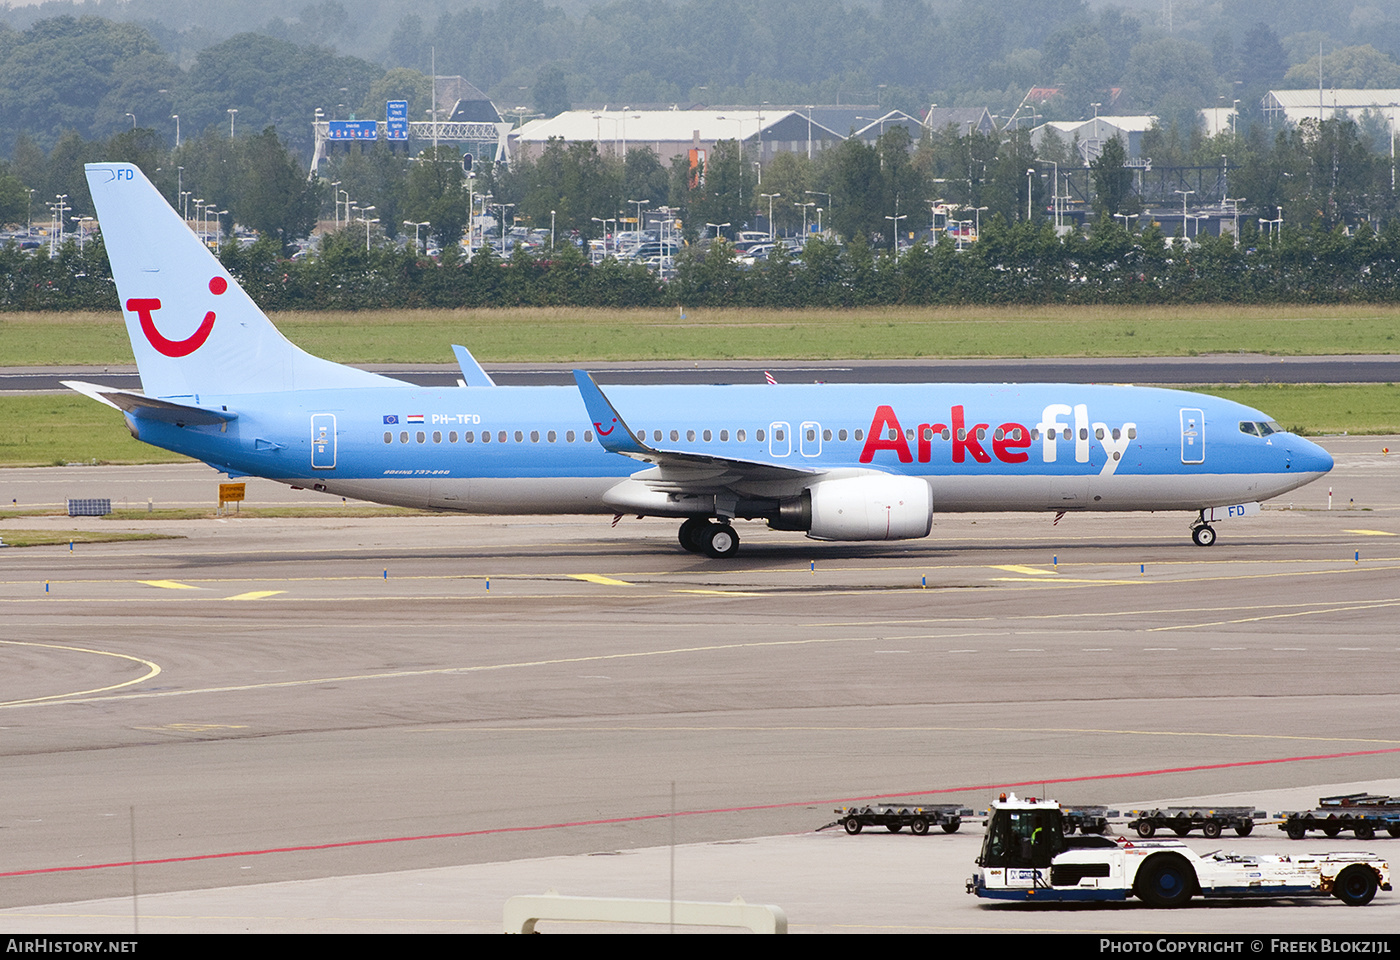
192, 327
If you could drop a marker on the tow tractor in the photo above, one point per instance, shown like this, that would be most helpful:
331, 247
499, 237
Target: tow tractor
1028, 857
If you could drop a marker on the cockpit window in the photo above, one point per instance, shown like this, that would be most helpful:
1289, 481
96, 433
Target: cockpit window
1260, 429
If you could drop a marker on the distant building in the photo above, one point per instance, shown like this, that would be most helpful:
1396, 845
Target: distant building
966, 119
1093, 134
672, 133
1292, 106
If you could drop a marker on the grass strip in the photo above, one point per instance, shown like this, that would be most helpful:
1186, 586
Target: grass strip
567, 334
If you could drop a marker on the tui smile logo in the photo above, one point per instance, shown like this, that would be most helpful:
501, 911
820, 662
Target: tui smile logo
144, 307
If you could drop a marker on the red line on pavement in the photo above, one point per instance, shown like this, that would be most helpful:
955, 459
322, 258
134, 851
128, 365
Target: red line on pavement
695, 813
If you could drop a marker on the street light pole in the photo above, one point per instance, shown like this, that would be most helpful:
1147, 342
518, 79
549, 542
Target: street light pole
232, 112
771, 197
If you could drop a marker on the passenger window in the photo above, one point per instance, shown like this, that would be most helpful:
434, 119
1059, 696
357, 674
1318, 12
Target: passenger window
724, 436
759, 435
588, 436
842, 434
569, 436
501, 437
777, 435
826, 435
534, 436
403, 437
690, 436
981, 433
739, 435
437, 436
675, 435
388, 438
470, 436
1132, 433
420, 436
485, 437
656, 435
519, 436
860, 434
452, 437
551, 436
707, 436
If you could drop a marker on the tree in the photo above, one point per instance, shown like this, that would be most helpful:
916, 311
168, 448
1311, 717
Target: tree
551, 92
1112, 180
435, 193
274, 197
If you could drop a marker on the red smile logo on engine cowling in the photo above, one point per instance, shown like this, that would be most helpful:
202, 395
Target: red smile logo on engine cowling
143, 307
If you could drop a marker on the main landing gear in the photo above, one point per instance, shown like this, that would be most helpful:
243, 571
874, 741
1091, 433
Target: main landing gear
717, 540
1202, 533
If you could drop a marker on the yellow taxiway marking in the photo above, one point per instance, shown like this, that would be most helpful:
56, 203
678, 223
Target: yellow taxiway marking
1058, 580
480, 668
1350, 608
599, 578
1370, 533
255, 595
168, 584
151, 671
722, 593
585, 727
1033, 571
196, 727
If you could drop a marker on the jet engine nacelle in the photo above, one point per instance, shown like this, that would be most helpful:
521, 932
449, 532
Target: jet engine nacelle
870, 508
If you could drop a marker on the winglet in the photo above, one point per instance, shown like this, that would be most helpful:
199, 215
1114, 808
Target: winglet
613, 433
472, 374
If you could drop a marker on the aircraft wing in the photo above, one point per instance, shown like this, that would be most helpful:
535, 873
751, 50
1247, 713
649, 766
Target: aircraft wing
151, 408
678, 470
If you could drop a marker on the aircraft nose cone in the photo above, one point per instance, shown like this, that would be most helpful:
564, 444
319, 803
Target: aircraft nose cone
1308, 457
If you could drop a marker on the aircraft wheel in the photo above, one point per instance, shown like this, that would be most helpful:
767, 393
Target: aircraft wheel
1165, 881
852, 826
918, 826
951, 826
1356, 885
1146, 829
1203, 536
1211, 828
691, 532
721, 542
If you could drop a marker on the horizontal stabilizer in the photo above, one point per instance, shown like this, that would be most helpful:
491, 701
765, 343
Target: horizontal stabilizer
472, 374
150, 408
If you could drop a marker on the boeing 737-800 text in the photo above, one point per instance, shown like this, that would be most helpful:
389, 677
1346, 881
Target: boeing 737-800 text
836, 462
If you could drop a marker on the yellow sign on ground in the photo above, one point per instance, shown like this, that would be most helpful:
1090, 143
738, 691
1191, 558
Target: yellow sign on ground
230, 492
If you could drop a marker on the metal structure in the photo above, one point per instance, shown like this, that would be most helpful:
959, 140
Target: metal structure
431, 131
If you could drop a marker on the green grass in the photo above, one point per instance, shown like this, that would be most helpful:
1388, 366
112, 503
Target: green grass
67, 428
577, 334
49, 538
1321, 408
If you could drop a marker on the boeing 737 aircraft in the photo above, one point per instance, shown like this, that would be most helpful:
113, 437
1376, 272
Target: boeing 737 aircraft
836, 462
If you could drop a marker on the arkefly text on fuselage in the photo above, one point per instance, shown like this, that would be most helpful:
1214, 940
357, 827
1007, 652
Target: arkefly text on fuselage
837, 462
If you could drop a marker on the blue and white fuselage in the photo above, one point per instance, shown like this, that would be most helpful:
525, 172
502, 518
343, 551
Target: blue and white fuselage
838, 462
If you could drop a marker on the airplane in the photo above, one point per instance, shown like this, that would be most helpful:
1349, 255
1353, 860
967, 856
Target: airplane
838, 462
